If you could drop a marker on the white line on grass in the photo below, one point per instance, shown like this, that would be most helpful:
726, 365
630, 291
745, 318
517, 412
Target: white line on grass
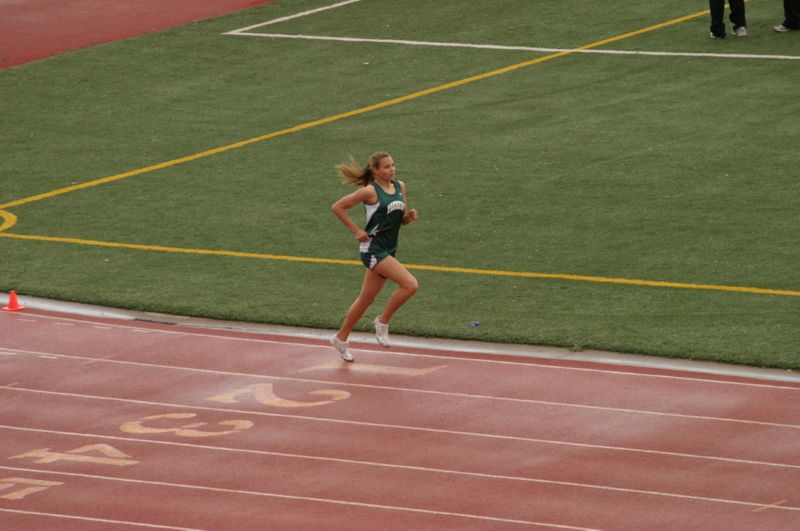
291, 17
401, 42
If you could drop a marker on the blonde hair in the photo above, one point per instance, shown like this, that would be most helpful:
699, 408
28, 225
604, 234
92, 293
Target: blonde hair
353, 173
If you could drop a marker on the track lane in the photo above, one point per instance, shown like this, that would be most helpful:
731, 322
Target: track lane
411, 491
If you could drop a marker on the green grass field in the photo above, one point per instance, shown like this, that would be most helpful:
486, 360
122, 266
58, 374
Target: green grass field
671, 168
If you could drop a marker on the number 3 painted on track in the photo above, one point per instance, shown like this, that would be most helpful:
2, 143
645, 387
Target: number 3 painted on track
186, 430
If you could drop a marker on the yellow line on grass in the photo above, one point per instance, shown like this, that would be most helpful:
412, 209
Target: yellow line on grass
648, 29
342, 116
419, 267
166, 249
8, 220
608, 280
295, 129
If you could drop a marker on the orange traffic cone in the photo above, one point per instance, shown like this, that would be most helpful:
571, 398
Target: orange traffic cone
13, 304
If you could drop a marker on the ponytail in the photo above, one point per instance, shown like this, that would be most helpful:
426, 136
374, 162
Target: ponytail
353, 173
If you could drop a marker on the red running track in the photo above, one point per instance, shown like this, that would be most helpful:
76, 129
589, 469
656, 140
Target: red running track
35, 29
121, 424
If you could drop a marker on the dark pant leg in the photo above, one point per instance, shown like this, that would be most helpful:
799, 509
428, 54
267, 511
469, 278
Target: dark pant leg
717, 8
737, 13
791, 14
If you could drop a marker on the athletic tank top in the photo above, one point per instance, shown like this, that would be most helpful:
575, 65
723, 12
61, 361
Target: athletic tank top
384, 218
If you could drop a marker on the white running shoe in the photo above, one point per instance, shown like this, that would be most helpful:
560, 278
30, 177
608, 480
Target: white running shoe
780, 28
382, 332
341, 347
741, 31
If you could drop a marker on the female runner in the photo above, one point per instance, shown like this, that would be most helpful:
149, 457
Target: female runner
384, 199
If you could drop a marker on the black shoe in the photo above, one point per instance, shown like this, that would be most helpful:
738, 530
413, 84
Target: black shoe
715, 36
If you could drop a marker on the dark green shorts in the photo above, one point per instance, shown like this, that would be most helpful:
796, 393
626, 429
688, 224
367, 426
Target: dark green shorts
370, 260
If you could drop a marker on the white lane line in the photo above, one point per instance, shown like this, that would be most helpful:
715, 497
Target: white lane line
101, 520
480, 475
15, 387
450, 394
97, 360
292, 17
596, 51
413, 355
307, 498
427, 511
770, 506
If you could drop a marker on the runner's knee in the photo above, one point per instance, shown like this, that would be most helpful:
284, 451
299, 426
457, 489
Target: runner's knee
411, 285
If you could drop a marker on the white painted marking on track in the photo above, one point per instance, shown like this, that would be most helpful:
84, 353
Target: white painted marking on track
292, 17
300, 498
101, 520
595, 51
761, 507
473, 360
96, 360
399, 427
768, 507
430, 392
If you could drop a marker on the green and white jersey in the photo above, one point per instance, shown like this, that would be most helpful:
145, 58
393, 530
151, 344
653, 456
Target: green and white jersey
384, 218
